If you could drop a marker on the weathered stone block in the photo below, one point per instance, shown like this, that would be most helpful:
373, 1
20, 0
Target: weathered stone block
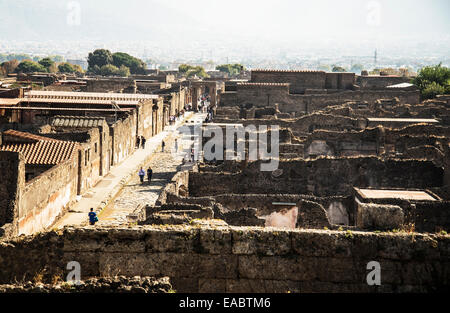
215, 241
208, 285
321, 243
216, 266
139, 264
407, 246
260, 241
124, 245
172, 240
261, 286
89, 263
83, 239
379, 216
185, 285
275, 268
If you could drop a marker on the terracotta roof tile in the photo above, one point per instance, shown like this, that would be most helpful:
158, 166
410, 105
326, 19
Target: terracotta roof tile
77, 121
40, 150
18, 136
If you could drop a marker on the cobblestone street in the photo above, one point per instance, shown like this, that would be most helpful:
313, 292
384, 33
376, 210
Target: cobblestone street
135, 193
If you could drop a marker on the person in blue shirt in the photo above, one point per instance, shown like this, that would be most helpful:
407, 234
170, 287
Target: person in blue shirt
141, 175
92, 217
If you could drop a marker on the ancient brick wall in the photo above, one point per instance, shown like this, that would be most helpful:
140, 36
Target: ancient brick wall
339, 80
261, 95
158, 121
91, 160
123, 133
317, 102
238, 259
366, 142
12, 169
111, 85
298, 80
144, 116
302, 125
321, 177
380, 82
228, 98
45, 197
267, 95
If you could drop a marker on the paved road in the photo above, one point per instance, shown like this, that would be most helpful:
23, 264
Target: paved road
125, 193
164, 164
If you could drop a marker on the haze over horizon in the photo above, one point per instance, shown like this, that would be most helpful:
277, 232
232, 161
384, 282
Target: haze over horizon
353, 27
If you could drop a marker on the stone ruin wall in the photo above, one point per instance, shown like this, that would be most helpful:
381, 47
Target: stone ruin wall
321, 177
300, 104
123, 133
46, 197
33, 206
299, 80
12, 167
380, 82
237, 259
111, 85
328, 210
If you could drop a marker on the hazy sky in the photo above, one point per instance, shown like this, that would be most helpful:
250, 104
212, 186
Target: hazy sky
51, 19
319, 17
252, 23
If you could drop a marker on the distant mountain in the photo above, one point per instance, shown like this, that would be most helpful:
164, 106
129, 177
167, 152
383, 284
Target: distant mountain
99, 19
237, 21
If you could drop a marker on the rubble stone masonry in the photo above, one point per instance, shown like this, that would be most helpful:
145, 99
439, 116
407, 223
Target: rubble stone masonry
237, 259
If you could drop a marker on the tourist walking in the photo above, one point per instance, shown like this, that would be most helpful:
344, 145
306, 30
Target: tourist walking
92, 217
141, 175
138, 142
176, 145
149, 174
143, 142
163, 144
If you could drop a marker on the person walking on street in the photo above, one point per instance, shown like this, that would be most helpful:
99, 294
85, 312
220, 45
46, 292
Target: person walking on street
176, 145
138, 142
143, 142
92, 217
163, 144
149, 174
141, 175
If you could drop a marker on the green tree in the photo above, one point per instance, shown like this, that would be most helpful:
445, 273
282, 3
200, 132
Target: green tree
109, 70
198, 71
124, 71
9, 67
184, 68
47, 63
432, 90
191, 71
433, 80
100, 58
66, 68
28, 66
135, 65
231, 69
